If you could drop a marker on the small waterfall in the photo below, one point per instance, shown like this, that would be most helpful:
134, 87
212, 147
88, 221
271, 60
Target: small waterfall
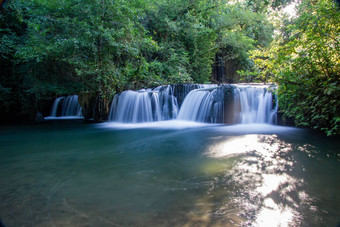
66, 107
202, 105
54, 109
71, 106
167, 102
256, 104
145, 105
135, 107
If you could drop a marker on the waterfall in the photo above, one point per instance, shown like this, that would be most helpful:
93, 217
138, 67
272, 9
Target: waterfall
71, 106
256, 104
145, 105
202, 105
135, 107
66, 107
167, 102
55, 106
228, 103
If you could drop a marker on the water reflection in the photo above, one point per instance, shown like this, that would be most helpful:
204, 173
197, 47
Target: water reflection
266, 192
239, 145
90, 175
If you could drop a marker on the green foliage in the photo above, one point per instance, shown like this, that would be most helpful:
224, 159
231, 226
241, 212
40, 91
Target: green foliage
184, 38
241, 30
304, 61
12, 30
86, 38
51, 48
267, 5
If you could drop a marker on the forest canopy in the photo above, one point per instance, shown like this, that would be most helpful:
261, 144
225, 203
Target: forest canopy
97, 48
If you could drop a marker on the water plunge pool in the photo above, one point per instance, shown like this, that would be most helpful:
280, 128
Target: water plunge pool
168, 173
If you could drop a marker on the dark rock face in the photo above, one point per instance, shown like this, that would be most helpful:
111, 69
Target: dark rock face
182, 90
232, 106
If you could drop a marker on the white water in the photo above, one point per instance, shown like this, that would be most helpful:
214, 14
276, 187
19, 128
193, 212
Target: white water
256, 104
170, 124
204, 103
149, 105
202, 106
144, 105
133, 107
66, 107
71, 106
167, 102
55, 106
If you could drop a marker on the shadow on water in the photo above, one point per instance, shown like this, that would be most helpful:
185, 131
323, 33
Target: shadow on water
66, 175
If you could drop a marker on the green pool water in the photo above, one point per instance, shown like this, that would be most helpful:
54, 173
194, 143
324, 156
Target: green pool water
167, 174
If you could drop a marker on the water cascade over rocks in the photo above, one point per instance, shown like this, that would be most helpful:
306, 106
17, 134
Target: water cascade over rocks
66, 107
203, 105
227, 103
256, 104
147, 105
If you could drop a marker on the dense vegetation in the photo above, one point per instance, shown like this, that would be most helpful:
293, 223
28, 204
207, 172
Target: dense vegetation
97, 48
304, 60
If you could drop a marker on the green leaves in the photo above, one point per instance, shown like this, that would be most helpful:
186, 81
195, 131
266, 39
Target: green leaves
304, 61
239, 31
104, 44
50, 48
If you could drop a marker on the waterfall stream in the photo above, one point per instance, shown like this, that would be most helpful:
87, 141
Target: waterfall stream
229, 104
202, 105
66, 107
144, 105
256, 104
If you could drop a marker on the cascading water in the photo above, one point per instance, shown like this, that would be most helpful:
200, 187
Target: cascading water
54, 109
202, 105
135, 106
229, 104
66, 107
147, 105
71, 106
167, 102
144, 105
256, 103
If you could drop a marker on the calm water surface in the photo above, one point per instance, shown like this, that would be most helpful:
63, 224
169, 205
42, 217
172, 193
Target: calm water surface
167, 174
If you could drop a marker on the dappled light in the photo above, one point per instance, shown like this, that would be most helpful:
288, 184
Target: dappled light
270, 189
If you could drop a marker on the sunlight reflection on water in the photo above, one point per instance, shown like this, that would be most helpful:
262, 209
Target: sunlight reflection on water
167, 174
238, 145
265, 185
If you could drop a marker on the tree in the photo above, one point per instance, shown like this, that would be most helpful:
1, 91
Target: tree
183, 34
12, 33
305, 63
240, 30
267, 5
